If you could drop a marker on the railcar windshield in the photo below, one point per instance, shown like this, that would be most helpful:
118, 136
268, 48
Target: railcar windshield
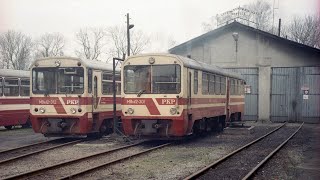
62, 80
152, 79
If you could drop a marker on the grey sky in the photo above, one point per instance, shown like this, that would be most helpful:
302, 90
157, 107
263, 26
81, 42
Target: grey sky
178, 19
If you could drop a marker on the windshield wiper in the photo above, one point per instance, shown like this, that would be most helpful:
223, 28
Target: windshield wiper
68, 92
141, 92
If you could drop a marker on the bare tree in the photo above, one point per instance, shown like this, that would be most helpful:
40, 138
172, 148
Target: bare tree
210, 25
305, 30
91, 41
15, 50
118, 45
171, 42
50, 45
139, 41
118, 35
262, 14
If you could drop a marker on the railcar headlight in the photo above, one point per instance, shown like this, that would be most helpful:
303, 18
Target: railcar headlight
173, 111
130, 111
57, 63
42, 110
73, 110
152, 60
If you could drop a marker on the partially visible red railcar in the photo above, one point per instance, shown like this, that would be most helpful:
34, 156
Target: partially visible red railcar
72, 97
14, 98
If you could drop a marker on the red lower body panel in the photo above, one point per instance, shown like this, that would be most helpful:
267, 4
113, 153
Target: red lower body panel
14, 117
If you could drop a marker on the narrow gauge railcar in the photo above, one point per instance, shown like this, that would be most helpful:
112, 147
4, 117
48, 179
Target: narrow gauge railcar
166, 95
14, 98
72, 97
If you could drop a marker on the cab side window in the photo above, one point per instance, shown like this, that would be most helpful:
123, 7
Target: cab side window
107, 80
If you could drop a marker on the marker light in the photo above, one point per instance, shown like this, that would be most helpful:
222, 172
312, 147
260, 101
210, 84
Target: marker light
57, 63
42, 110
152, 60
73, 110
130, 111
173, 111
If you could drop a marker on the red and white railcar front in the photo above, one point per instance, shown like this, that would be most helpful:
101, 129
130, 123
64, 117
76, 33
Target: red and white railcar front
153, 102
166, 95
67, 97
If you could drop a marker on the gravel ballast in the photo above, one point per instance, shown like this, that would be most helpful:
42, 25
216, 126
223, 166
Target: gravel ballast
177, 161
295, 161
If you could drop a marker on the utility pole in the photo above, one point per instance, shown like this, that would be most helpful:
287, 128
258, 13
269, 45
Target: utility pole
129, 26
115, 120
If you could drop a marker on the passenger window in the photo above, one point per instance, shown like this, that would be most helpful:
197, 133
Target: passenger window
89, 80
217, 85
1, 88
205, 83
95, 92
223, 85
24, 87
195, 82
236, 87
211, 84
232, 88
242, 88
239, 86
11, 87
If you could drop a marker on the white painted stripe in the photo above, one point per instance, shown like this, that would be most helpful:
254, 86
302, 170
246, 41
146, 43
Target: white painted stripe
207, 105
237, 103
8, 107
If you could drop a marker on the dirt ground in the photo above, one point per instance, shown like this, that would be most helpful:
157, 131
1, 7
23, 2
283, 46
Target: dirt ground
298, 160
18, 137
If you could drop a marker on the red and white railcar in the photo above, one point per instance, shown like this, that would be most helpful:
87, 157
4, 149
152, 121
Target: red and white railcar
167, 95
14, 98
72, 97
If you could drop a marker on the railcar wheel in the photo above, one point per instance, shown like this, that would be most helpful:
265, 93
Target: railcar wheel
27, 124
94, 135
8, 127
221, 125
208, 126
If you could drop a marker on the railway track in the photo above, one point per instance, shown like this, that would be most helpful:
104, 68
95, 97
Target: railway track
244, 162
32, 149
86, 164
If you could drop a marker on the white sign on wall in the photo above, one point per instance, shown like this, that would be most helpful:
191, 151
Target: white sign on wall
247, 89
305, 91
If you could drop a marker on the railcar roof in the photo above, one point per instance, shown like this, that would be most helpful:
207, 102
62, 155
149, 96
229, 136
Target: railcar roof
93, 64
191, 63
14, 73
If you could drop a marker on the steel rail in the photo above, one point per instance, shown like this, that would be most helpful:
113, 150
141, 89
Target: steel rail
26, 146
114, 161
30, 173
206, 168
255, 169
39, 151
